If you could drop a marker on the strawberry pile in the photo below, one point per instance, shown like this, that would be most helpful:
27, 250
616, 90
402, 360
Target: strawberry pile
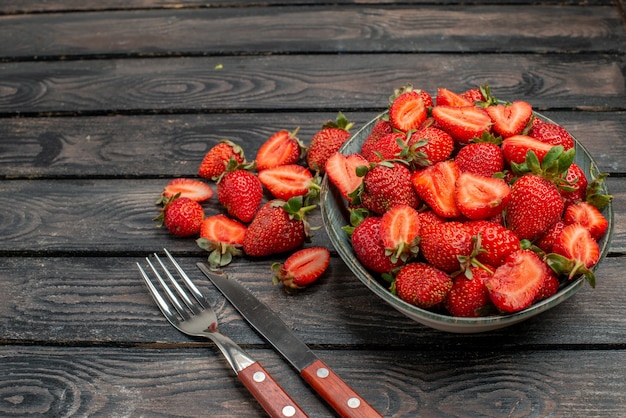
250, 223
470, 206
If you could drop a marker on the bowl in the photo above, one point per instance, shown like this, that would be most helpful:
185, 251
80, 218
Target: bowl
335, 215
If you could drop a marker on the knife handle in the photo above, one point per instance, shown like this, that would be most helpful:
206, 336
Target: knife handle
272, 397
344, 400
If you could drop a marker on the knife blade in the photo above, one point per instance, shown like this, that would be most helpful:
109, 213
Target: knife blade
336, 392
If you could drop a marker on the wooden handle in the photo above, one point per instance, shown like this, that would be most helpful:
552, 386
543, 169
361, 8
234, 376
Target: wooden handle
344, 400
272, 397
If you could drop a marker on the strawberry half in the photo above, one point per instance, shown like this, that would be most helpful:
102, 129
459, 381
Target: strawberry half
302, 268
399, 229
588, 216
480, 197
189, 188
447, 97
575, 242
222, 237
287, 181
509, 120
435, 186
281, 148
462, 123
341, 172
407, 111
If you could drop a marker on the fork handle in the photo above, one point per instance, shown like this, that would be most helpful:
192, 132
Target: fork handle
272, 397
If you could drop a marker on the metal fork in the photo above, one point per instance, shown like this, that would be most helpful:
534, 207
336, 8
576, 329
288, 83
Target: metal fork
194, 316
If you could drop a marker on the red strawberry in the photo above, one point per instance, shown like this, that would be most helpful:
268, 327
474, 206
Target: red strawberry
217, 158
473, 95
388, 184
388, 147
287, 181
182, 216
277, 227
407, 111
428, 217
422, 285
496, 241
535, 206
509, 120
381, 128
369, 248
281, 148
241, 193
341, 172
546, 241
469, 297
447, 97
302, 268
429, 146
552, 134
480, 197
327, 141
435, 186
549, 287
517, 283
190, 188
462, 123
484, 158
588, 216
576, 245
576, 179
399, 231
516, 147
222, 237
441, 245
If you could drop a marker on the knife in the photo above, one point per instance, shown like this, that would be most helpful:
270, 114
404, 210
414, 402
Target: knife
337, 393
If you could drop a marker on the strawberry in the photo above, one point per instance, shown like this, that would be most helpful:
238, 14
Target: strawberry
588, 216
302, 268
182, 216
387, 184
469, 297
369, 248
277, 227
496, 241
435, 186
240, 192
422, 285
407, 111
552, 134
222, 237
185, 187
534, 207
327, 141
341, 172
462, 123
441, 245
516, 147
577, 181
216, 159
381, 128
281, 148
517, 283
480, 197
388, 147
447, 97
546, 241
428, 217
484, 158
473, 95
287, 181
429, 146
510, 119
549, 287
399, 229
575, 252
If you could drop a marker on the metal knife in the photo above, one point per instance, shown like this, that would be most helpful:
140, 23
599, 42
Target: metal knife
337, 393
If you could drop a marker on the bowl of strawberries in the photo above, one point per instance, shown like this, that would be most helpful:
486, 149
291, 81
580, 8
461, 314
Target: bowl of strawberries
466, 213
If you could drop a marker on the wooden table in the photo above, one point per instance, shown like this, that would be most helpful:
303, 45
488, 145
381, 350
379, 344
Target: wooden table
101, 104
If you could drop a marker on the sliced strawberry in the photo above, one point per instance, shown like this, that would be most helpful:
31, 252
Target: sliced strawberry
462, 123
435, 186
281, 148
302, 268
222, 237
341, 171
407, 111
509, 120
447, 97
480, 197
516, 283
576, 242
399, 229
287, 181
190, 188
516, 147
473, 95
589, 216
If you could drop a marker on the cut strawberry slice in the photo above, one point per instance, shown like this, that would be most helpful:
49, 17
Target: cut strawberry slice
435, 186
287, 181
509, 120
589, 216
447, 97
221, 228
281, 148
516, 147
480, 197
462, 123
399, 229
189, 188
341, 171
516, 283
576, 243
407, 111
302, 268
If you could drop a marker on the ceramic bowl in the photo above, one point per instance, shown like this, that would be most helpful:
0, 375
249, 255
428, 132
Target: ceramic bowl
335, 216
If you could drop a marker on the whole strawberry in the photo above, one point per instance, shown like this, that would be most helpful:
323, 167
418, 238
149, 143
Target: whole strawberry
182, 216
442, 244
217, 158
484, 158
302, 268
240, 192
552, 134
496, 241
429, 146
387, 184
469, 296
422, 285
327, 141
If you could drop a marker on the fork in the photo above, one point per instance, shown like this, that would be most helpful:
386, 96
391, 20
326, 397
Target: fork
196, 317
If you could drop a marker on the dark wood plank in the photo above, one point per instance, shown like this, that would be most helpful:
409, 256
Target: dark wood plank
372, 29
157, 383
281, 83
